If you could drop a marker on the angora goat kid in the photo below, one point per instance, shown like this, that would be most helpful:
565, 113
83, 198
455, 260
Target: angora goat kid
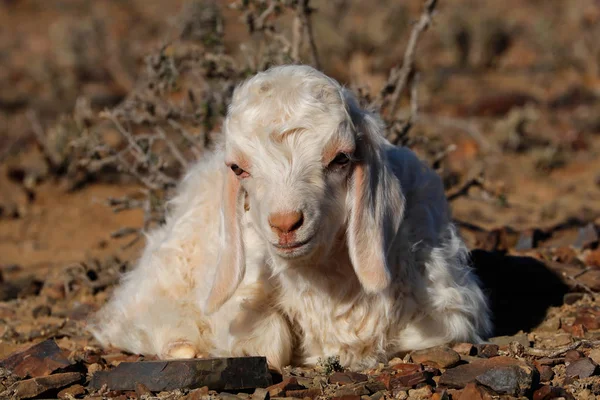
306, 235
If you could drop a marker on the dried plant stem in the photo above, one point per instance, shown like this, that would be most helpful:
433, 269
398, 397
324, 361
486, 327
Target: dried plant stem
398, 77
304, 14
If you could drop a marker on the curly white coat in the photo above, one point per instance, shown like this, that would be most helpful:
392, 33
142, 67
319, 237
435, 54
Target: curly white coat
375, 266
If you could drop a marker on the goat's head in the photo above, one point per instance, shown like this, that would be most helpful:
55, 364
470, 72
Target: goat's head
311, 166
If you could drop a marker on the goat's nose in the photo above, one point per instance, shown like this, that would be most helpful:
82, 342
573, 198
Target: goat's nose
286, 222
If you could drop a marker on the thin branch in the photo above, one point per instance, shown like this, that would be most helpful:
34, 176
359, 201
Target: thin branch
193, 146
40, 136
304, 13
551, 353
464, 189
399, 77
174, 150
401, 133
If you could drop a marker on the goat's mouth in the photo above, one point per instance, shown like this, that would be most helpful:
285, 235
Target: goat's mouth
293, 249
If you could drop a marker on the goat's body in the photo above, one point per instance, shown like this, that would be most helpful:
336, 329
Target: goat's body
433, 298
309, 235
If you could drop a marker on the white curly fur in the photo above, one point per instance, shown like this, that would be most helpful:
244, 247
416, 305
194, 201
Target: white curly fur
372, 267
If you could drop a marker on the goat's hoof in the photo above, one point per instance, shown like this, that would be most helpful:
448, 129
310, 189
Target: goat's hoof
180, 349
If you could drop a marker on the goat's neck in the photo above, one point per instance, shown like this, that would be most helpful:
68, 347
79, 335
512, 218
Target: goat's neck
329, 270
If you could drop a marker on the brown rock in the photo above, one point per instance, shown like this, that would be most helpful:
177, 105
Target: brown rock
465, 349
403, 369
582, 368
487, 350
141, 390
217, 373
572, 355
279, 389
355, 389
70, 392
197, 394
408, 381
439, 357
505, 341
39, 360
578, 330
595, 355
441, 395
593, 258
375, 386
345, 378
552, 392
546, 373
572, 298
36, 386
501, 374
346, 397
588, 317
473, 392
422, 393
304, 393
259, 394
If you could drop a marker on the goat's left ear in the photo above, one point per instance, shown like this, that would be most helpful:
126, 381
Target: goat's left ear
231, 266
376, 206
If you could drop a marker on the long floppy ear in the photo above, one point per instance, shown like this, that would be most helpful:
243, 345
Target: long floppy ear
231, 265
376, 205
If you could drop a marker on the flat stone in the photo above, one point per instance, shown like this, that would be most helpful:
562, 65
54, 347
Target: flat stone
35, 386
141, 390
502, 374
595, 355
487, 350
423, 393
347, 397
465, 349
70, 392
221, 374
279, 389
355, 389
260, 394
196, 394
581, 368
473, 392
546, 373
439, 357
572, 298
39, 360
408, 381
552, 392
403, 369
304, 393
504, 341
345, 378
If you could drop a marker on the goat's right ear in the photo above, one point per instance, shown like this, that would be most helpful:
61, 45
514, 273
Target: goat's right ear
231, 265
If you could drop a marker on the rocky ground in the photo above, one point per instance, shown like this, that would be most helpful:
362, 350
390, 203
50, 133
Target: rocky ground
508, 114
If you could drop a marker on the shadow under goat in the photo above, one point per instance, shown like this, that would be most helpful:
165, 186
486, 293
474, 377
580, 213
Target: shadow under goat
520, 290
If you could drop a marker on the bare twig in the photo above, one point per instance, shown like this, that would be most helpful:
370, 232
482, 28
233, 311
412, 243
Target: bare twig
464, 189
399, 134
399, 77
551, 353
304, 12
172, 147
40, 137
192, 141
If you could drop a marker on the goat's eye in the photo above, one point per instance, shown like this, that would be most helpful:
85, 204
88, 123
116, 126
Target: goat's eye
237, 170
340, 160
